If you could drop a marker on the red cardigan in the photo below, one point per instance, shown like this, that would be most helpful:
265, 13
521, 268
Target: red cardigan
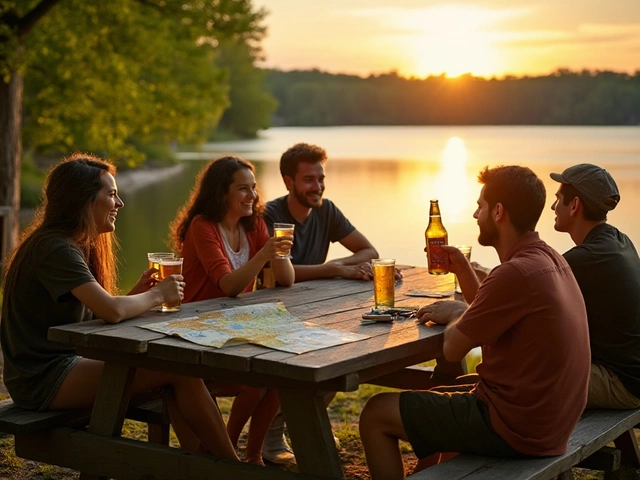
206, 261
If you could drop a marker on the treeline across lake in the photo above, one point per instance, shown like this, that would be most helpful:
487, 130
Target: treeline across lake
315, 98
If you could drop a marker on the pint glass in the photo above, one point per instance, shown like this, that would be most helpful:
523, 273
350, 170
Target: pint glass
283, 230
170, 267
384, 281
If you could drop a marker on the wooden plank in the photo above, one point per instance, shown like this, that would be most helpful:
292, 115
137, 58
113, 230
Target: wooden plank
595, 429
15, 420
310, 431
237, 358
409, 378
394, 343
130, 459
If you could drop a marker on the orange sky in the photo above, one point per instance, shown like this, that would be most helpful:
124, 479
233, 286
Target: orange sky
423, 37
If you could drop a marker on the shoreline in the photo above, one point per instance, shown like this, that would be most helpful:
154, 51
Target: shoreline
129, 180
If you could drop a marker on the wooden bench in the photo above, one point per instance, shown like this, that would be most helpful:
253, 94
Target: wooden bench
586, 448
17, 421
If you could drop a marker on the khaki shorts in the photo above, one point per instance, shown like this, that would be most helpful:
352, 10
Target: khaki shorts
607, 391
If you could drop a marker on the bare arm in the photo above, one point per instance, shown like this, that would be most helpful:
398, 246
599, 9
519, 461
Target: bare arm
456, 344
283, 271
114, 309
467, 278
361, 271
361, 248
356, 266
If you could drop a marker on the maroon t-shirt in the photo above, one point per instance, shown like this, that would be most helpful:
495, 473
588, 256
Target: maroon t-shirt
529, 317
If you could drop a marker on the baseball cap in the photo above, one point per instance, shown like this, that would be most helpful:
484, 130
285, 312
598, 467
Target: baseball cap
595, 184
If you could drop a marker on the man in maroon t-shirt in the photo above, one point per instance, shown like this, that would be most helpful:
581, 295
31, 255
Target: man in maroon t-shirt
529, 318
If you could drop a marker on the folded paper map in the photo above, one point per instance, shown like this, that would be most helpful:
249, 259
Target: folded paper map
266, 324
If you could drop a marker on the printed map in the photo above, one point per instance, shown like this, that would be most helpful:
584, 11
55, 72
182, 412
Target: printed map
266, 324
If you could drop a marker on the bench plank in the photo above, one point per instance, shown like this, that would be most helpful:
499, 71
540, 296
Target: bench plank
595, 429
124, 458
15, 420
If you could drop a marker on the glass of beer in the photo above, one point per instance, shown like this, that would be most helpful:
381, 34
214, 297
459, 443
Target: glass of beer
466, 251
384, 282
283, 230
168, 267
154, 260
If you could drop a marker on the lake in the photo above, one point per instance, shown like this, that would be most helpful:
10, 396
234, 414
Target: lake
382, 179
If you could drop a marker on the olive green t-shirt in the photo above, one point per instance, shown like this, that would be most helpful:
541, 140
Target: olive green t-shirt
35, 367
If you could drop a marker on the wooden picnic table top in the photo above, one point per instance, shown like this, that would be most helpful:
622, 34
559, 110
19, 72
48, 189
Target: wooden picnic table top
301, 379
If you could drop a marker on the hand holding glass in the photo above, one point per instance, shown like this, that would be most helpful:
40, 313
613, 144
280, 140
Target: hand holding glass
384, 282
154, 260
466, 251
283, 230
170, 267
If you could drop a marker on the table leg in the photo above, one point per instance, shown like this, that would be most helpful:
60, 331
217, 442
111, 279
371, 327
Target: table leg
110, 406
310, 430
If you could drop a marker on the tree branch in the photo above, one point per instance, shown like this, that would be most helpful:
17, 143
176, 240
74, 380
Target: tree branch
29, 21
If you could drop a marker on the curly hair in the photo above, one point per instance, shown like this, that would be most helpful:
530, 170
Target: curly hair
207, 199
300, 152
69, 193
519, 190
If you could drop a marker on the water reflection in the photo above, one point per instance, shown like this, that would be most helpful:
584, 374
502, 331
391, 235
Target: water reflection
454, 183
382, 178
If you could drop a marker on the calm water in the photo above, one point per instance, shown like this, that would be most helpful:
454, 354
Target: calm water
382, 178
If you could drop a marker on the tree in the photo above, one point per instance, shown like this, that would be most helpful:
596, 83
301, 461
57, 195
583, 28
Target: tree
16, 21
103, 76
251, 106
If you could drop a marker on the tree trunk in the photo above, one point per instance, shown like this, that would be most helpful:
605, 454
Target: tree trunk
10, 157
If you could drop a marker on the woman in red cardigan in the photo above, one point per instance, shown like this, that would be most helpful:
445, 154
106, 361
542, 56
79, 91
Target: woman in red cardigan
225, 244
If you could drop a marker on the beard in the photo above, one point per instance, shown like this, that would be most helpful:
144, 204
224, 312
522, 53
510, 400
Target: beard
488, 233
304, 201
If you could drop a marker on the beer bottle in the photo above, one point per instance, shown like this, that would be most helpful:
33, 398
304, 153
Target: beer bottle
436, 235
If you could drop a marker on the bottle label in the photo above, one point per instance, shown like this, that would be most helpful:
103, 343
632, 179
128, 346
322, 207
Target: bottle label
437, 256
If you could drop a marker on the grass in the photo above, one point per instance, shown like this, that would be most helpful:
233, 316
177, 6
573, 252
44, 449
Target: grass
343, 412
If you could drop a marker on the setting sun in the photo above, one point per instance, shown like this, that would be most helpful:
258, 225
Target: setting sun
452, 42
451, 39
482, 37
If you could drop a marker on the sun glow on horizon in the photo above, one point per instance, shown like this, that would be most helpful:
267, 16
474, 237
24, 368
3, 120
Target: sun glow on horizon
450, 39
453, 39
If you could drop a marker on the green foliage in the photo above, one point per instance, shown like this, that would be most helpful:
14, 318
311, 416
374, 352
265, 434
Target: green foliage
31, 182
315, 98
112, 77
251, 105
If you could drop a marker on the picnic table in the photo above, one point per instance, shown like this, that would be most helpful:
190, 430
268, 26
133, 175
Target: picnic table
301, 380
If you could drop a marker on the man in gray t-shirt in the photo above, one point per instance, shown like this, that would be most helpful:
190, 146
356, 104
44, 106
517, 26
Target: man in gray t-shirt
318, 222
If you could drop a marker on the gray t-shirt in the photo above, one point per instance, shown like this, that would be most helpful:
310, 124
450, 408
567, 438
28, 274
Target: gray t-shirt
35, 367
326, 224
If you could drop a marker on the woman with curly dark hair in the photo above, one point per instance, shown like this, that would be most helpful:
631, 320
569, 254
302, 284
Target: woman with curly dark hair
64, 271
222, 236
225, 243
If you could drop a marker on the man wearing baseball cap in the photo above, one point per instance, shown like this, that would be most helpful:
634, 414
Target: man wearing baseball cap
607, 268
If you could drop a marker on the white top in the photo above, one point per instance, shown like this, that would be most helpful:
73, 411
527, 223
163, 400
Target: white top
239, 258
